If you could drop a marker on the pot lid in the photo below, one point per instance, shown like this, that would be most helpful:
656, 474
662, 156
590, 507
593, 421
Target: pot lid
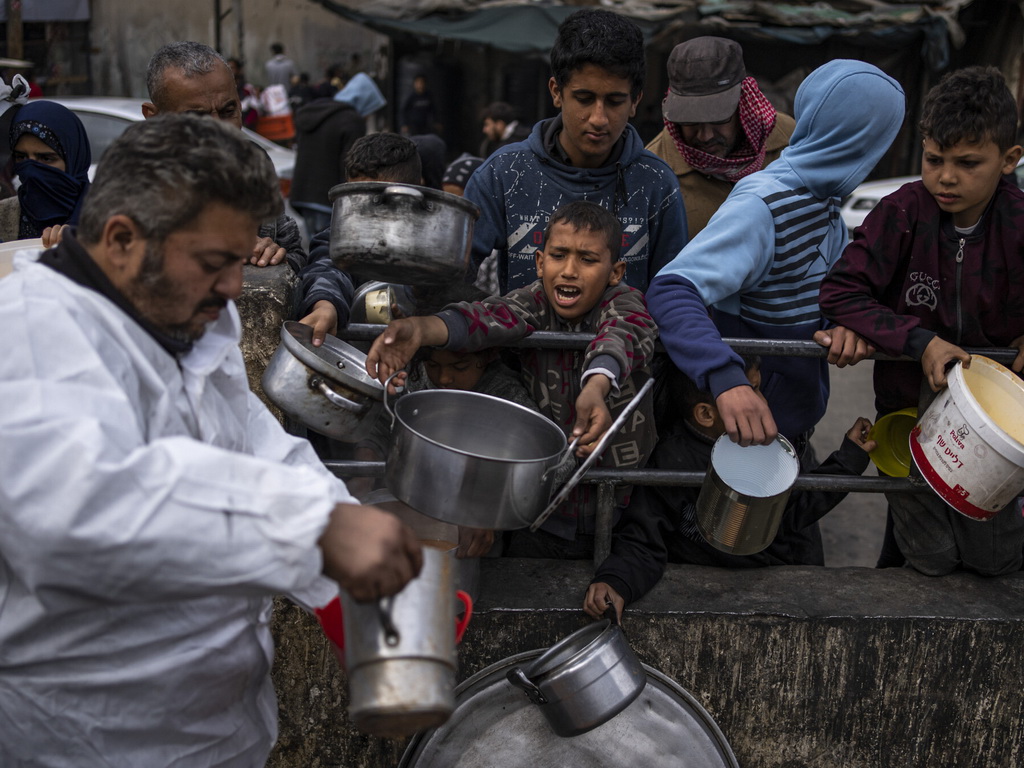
494, 725
335, 360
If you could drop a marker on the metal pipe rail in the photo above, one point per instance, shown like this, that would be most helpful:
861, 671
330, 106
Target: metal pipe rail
607, 479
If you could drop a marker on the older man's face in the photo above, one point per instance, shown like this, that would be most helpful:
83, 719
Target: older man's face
212, 94
718, 139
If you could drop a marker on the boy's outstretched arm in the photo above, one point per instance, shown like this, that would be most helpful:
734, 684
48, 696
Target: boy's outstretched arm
592, 415
808, 507
393, 349
844, 346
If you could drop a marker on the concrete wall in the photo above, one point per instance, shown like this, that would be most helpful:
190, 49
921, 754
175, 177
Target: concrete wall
125, 33
800, 667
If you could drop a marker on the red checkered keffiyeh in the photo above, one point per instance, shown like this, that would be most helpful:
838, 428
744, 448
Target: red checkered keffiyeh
757, 117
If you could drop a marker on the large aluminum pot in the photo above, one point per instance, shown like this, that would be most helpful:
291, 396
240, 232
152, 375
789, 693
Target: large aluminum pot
401, 233
400, 652
472, 459
326, 387
584, 680
745, 493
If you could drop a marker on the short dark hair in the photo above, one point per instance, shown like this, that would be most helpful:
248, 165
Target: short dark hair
604, 39
191, 58
384, 157
582, 214
276, 48
682, 389
163, 172
499, 111
971, 104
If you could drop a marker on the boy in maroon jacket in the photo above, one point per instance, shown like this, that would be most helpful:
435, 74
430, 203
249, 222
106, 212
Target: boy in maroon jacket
935, 267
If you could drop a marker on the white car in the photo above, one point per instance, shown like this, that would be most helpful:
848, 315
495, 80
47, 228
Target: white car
866, 196
106, 118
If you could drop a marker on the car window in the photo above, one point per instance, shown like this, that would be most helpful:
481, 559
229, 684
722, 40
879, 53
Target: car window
102, 130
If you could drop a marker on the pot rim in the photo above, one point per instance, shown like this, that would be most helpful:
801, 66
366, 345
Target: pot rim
537, 674
371, 188
412, 396
295, 337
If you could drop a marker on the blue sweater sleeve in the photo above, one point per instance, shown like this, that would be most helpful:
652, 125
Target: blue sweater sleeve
320, 280
489, 230
690, 336
670, 234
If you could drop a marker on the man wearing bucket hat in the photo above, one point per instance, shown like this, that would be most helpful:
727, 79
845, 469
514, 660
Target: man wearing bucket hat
151, 504
719, 127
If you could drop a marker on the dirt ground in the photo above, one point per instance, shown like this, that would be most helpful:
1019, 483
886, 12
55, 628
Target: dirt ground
852, 532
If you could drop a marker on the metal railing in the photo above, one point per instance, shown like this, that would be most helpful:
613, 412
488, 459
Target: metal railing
607, 479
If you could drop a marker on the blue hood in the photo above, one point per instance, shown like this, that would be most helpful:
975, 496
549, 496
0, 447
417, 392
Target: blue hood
847, 114
362, 93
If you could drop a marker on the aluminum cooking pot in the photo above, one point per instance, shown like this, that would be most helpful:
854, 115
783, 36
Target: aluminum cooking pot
745, 493
400, 652
326, 387
472, 459
584, 680
401, 233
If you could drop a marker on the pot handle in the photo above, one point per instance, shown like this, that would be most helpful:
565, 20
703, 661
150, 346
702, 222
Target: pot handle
391, 636
460, 625
387, 405
569, 450
518, 678
334, 398
573, 481
402, 191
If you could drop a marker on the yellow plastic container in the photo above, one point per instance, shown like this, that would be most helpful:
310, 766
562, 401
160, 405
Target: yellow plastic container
892, 433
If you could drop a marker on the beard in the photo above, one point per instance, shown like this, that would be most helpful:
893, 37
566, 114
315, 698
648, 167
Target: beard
156, 297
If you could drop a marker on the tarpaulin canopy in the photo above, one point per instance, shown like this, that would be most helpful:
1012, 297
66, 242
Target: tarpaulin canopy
529, 26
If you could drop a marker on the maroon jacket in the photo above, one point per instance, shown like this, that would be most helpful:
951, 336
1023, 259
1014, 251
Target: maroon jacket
909, 276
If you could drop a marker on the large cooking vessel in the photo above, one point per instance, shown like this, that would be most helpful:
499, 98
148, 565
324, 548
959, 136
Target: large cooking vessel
472, 459
400, 652
401, 233
326, 387
585, 679
495, 726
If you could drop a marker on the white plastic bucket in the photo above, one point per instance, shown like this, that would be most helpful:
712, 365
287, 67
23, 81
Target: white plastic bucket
969, 445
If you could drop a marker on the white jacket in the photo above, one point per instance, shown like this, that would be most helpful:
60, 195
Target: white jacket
148, 511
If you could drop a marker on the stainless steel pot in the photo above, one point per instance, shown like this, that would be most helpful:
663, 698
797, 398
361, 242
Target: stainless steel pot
401, 233
584, 680
745, 493
326, 387
472, 459
400, 652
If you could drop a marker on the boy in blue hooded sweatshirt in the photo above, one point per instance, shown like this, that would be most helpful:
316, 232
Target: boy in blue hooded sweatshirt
588, 152
757, 265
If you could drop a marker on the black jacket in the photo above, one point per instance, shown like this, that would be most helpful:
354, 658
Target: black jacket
324, 132
661, 522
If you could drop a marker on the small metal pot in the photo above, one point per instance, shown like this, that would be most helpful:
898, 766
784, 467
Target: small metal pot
401, 233
584, 680
745, 493
326, 387
498, 474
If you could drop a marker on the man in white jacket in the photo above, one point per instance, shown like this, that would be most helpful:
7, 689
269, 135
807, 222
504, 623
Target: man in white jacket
150, 505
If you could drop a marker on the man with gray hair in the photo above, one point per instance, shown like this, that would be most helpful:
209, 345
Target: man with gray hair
151, 504
191, 77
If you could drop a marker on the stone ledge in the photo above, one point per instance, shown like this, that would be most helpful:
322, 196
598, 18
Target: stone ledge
799, 666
